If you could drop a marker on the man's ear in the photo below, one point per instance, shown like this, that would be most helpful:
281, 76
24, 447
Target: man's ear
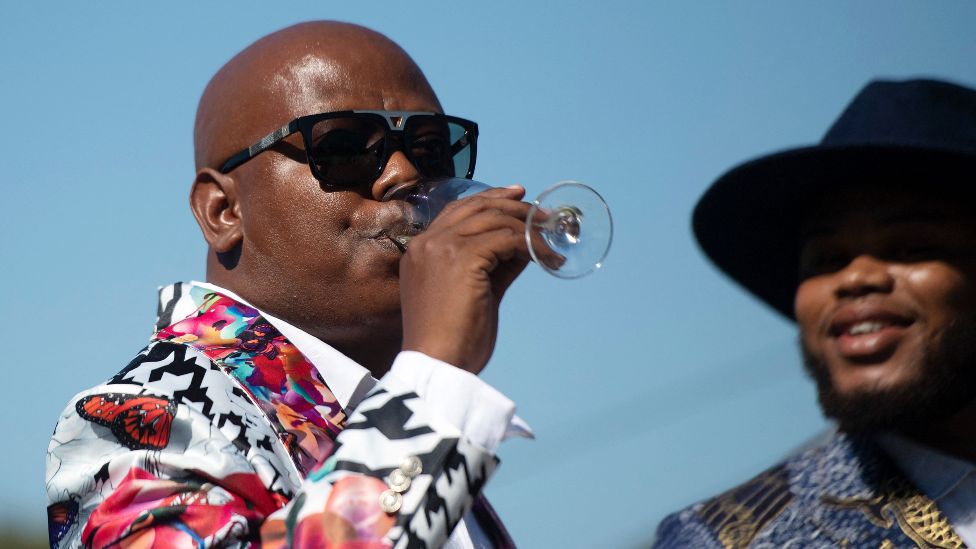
215, 203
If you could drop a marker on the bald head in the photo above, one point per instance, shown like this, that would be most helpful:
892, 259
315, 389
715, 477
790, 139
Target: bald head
305, 252
291, 73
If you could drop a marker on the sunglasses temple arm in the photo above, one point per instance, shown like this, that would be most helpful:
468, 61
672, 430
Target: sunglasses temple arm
235, 161
264, 144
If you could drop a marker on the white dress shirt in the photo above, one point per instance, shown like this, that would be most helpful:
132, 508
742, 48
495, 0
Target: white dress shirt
484, 415
948, 481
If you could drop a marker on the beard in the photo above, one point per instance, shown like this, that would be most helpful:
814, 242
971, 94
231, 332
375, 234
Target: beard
945, 383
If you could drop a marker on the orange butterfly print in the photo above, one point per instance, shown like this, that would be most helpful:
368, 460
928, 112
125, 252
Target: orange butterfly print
140, 422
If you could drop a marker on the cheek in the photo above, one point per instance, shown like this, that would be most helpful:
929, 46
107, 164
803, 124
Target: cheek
812, 298
941, 291
923, 278
296, 199
291, 218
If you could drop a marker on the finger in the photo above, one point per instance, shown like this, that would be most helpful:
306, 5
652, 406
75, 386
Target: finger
544, 253
490, 220
482, 201
487, 220
465, 207
483, 221
470, 237
500, 246
514, 192
509, 249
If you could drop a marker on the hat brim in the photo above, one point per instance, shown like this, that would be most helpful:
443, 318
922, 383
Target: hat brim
749, 221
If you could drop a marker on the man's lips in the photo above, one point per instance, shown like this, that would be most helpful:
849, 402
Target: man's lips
868, 332
393, 237
394, 232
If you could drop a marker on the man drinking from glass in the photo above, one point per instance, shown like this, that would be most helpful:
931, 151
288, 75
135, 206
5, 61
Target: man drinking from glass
320, 389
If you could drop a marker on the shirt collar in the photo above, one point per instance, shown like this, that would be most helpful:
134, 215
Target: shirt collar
348, 380
934, 473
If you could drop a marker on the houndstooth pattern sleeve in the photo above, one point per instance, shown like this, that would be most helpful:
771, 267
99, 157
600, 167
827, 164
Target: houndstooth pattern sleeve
357, 494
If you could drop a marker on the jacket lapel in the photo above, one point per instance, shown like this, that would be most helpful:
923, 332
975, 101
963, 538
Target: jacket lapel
268, 367
866, 501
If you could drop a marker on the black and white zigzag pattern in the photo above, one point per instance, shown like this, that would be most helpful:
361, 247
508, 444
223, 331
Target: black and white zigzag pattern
192, 379
455, 470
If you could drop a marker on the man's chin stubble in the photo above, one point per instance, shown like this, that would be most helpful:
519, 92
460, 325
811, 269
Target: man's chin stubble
945, 383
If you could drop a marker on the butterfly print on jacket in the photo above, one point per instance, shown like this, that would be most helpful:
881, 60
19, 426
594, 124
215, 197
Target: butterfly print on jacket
139, 422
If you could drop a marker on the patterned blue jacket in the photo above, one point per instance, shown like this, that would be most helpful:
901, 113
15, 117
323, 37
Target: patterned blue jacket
844, 493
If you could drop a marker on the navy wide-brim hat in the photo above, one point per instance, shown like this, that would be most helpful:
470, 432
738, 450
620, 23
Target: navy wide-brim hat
916, 132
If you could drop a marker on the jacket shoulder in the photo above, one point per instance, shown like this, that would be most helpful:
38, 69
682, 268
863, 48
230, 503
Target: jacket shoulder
731, 519
159, 363
170, 392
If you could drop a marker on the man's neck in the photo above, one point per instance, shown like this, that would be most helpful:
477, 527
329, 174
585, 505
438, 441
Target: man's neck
374, 349
377, 359
954, 435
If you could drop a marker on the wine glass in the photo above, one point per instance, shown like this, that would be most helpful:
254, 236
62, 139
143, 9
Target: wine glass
568, 228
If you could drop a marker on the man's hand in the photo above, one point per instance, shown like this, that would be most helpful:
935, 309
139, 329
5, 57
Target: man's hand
454, 274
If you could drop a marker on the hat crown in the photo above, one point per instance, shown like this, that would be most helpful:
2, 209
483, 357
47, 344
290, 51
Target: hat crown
911, 113
910, 133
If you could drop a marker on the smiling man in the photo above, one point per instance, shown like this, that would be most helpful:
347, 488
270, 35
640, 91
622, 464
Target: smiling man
868, 242
320, 389
887, 309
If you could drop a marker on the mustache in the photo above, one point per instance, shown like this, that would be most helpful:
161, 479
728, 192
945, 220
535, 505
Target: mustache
393, 220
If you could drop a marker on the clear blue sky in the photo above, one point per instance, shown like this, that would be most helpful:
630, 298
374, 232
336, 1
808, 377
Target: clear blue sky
651, 384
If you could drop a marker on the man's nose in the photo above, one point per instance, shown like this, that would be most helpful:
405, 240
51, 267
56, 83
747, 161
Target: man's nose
865, 274
398, 170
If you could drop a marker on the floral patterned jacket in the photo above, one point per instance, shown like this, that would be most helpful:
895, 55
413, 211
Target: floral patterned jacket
221, 433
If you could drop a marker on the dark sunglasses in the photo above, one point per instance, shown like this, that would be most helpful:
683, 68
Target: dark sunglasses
349, 148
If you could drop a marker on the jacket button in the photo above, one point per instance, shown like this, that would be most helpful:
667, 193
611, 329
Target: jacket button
398, 481
412, 466
390, 501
